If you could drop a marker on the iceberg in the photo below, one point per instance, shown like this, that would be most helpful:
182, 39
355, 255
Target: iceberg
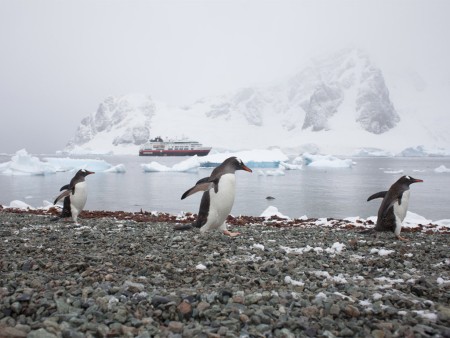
325, 161
251, 158
373, 152
400, 171
291, 166
120, 169
68, 164
258, 158
23, 163
190, 165
442, 169
422, 151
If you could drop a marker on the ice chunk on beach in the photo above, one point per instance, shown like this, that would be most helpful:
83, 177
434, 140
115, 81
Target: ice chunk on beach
258, 158
190, 165
325, 161
16, 204
23, 163
272, 211
442, 169
412, 220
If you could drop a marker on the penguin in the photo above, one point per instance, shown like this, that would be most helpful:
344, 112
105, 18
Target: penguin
75, 195
394, 206
218, 197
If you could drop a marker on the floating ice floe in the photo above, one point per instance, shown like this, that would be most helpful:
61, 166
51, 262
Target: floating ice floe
291, 166
258, 158
400, 171
68, 164
275, 172
325, 161
373, 152
190, 165
120, 169
23, 163
422, 151
272, 211
442, 169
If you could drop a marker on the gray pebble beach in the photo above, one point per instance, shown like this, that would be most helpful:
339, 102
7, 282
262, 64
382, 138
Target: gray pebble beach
121, 278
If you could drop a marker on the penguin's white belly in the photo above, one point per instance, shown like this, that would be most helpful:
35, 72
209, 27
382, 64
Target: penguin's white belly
78, 199
400, 210
221, 203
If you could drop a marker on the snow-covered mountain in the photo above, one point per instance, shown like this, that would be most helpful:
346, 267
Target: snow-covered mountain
336, 104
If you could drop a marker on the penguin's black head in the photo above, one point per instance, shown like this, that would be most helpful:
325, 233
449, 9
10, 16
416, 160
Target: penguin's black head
407, 180
236, 164
84, 172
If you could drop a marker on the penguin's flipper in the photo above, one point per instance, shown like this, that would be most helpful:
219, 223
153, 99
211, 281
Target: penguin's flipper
65, 193
65, 187
201, 185
380, 194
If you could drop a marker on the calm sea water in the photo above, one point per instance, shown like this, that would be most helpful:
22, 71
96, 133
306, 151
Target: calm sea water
313, 192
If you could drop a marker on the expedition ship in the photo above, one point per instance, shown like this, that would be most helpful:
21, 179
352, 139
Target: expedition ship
159, 147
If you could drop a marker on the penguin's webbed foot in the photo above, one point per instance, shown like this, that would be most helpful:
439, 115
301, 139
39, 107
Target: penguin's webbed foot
402, 238
231, 234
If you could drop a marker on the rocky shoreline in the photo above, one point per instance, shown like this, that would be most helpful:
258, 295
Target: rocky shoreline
128, 275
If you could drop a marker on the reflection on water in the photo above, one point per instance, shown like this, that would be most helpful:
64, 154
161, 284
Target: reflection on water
313, 192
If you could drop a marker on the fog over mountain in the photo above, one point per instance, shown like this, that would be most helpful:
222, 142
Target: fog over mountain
336, 103
62, 58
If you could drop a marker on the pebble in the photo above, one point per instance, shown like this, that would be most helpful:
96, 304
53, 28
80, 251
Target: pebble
138, 279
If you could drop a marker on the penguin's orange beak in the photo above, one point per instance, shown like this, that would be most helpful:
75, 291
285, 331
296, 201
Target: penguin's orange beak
244, 167
90, 172
417, 180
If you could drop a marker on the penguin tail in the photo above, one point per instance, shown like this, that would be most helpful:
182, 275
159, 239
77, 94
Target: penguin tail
183, 227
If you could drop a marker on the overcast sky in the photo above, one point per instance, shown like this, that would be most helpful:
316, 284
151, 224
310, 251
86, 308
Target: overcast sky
60, 59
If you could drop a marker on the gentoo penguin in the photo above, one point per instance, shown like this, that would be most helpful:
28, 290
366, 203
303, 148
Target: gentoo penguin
218, 197
75, 195
394, 206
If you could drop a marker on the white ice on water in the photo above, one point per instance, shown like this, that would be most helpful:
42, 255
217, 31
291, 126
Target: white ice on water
325, 161
258, 158
442, 169
22, 163
192, 164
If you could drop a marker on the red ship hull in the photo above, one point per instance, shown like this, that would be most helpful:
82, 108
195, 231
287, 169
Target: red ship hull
148, 152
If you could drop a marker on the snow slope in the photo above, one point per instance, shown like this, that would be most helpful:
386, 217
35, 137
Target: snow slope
339, 104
